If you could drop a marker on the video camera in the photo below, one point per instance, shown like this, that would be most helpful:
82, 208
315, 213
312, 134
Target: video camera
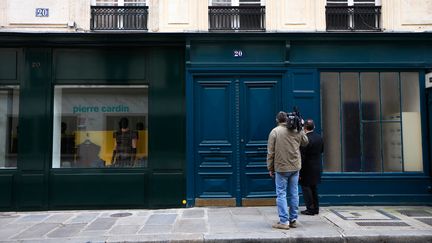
295, 120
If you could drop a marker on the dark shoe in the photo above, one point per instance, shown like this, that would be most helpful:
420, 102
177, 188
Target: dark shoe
307, 212
293, 224
279, 225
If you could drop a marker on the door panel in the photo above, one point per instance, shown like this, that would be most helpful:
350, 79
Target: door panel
261, 100
213, 137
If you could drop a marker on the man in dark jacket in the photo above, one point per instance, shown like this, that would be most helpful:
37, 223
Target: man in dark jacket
310, 173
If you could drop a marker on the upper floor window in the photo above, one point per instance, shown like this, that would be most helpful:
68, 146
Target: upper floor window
120, 3
119, 15
243, 15
236, 2
361, 15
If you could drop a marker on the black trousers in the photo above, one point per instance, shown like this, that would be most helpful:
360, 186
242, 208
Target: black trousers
310, 196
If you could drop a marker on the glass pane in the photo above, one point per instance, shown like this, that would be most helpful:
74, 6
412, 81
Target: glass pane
371, 147
390, 98
134, 2
392, 151
330, 98
350, 122
411, 123
220, 3
96, 126
106, 2
9, 107
370, 96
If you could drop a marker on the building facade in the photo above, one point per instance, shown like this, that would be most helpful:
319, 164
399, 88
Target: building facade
199, 84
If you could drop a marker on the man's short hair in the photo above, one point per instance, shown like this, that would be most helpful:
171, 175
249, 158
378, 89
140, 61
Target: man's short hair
309, 124
281, 117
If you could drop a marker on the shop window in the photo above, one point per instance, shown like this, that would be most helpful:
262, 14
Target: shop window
100, 126
371, 122
9, 107
119, 3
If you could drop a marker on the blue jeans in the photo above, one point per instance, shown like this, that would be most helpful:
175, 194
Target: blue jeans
284, 180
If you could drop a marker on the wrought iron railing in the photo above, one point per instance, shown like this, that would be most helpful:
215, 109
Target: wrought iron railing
119, 18
247, 18
363, 18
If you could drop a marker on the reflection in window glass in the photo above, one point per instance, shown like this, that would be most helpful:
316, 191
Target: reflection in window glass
9, 107
379, 116
98, 126
330, 100
350, 122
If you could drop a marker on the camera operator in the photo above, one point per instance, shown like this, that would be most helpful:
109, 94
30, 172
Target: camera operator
284, 163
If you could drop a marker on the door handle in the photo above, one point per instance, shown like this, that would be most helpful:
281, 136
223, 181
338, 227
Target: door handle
214, 149
262, 148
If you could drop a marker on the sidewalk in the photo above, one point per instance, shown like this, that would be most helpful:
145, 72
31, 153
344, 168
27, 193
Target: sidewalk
245, 224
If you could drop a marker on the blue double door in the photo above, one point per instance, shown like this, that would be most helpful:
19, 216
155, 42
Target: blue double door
232, 118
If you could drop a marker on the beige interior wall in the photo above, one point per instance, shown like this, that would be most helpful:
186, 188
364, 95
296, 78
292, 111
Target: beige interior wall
295, 15
407, 15
182, 15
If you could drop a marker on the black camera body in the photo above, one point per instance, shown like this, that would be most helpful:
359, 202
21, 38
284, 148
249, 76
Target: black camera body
295, 121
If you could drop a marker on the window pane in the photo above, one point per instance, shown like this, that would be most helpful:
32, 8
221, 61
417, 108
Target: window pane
96, 126
350, 122
9, 107
221, 3
411, 123
390, 98
370, 96
331, 121
392, 151
371, 146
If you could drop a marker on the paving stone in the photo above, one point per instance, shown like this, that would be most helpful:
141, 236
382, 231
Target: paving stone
415, 213
66, 230
220, 220
190, 238
102, 224
31, 218
132, 220
161, 219
7, 231
190, 226
245, 211
124, 229
58, 218
36, 231
83, 218
163, 229
193, 213
142, 213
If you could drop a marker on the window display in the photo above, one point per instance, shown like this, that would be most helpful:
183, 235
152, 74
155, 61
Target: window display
9, 107
371, 122
100, 126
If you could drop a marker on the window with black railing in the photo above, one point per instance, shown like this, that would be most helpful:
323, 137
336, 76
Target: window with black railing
353, 15
119, 18
237, 18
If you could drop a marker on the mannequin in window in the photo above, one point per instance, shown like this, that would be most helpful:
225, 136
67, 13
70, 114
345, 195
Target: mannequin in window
125, 142
88, 155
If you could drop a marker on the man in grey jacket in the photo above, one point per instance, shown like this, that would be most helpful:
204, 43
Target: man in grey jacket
284, 163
